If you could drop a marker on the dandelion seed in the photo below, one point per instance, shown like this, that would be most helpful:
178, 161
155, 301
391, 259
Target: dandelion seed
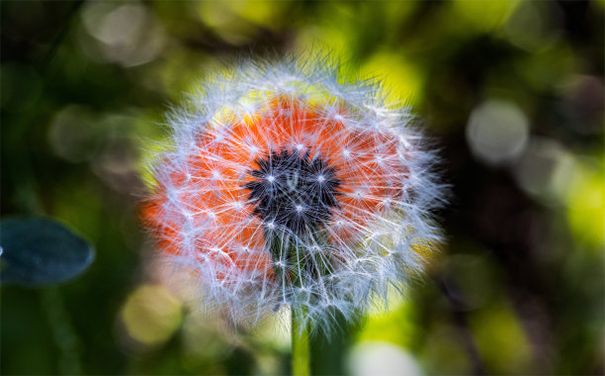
298, 191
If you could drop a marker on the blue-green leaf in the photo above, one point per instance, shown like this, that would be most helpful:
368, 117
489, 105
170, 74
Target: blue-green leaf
39, 251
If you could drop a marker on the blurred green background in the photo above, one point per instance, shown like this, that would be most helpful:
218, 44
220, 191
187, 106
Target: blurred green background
511, 91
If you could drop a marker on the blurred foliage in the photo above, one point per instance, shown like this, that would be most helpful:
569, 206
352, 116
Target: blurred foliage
39, 251
512, 91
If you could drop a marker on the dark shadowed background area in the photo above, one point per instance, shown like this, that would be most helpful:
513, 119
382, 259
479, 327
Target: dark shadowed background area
511, 91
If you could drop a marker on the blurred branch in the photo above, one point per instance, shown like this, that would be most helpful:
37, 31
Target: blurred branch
63, 332
458, 307
52, 51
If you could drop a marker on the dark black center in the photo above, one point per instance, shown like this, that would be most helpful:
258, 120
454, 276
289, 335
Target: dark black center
293, 190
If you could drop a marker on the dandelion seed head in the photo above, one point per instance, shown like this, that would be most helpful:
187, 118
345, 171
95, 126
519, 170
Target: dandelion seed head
284, 186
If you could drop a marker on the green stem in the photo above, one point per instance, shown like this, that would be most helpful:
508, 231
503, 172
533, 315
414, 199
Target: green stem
301, 365
64, 334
